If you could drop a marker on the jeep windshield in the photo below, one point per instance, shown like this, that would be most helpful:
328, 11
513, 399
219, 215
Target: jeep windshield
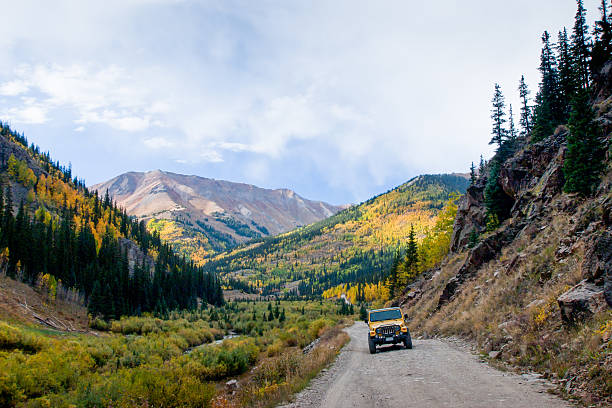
385, 315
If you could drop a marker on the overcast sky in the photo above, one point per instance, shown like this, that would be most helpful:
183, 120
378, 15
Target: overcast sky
336, 99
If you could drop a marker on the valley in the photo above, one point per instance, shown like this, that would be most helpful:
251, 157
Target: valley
159, 289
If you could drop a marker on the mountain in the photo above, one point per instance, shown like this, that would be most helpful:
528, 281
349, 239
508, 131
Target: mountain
201, 215
356, 245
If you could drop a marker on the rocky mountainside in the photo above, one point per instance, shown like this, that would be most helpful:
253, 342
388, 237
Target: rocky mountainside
197, 212
535, 292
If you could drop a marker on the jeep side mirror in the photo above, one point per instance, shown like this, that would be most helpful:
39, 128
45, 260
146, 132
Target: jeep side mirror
406, 316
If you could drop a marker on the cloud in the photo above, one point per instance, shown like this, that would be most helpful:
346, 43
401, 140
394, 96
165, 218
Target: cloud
13, 88
105, 95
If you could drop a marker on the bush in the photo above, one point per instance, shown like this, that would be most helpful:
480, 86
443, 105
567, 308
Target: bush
12, 338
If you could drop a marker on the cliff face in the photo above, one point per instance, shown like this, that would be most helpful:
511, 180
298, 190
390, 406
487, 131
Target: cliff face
536, 291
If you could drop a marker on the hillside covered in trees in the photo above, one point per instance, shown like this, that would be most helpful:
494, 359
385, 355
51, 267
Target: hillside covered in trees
57, 235
357, 246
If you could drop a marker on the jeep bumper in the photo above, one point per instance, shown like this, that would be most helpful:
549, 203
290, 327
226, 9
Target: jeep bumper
394, 339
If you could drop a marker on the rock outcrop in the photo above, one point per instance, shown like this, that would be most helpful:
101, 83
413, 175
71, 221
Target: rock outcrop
597, 264
471, 216
581, 301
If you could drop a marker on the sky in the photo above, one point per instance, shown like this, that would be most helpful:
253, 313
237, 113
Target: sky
338, 100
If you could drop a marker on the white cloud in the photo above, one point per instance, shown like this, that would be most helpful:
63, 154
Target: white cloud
13, 88
99, 95
158, 143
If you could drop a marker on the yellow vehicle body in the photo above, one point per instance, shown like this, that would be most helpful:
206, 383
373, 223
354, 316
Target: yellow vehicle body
387, 326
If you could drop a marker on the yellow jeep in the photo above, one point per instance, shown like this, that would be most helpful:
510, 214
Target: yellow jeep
387, 326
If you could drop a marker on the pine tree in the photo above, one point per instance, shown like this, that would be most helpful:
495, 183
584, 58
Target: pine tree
525, 120
511, 129
481, 167
497, 115
363, 313
602, 48
411, 263
548, 113
568, 81
581, 46
472, 174
392, 280
584, 160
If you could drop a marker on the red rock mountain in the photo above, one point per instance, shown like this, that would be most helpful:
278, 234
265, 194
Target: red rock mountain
240, 210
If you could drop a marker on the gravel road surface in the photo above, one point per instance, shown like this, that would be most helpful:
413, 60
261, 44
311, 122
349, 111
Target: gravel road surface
433, 374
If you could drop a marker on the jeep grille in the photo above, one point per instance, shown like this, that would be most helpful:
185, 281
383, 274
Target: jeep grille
387, 330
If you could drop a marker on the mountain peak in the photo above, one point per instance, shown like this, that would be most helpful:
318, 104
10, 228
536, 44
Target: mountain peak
221, 210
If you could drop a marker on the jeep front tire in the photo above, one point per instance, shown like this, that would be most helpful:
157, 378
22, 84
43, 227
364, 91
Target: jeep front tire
408, 341
371, 346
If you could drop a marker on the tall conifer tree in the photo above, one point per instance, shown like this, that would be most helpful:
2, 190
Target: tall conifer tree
581, 46
498, 116
602, 49
548, 113
584, 160
568, 79
525, 120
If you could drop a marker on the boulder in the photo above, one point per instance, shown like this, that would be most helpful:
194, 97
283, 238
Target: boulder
232, 385
597, 264
581, 301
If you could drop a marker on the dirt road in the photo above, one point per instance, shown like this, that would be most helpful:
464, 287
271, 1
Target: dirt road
432, 374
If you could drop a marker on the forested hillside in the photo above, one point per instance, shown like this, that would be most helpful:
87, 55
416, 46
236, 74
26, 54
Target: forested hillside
57, 235
357, 246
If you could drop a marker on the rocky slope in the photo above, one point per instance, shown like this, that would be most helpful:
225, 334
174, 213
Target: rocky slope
535, 293
208, 213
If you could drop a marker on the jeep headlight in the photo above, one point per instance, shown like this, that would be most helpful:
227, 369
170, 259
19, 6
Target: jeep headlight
378, 331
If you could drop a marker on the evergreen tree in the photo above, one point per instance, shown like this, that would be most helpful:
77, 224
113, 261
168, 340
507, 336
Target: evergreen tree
525, 120
363, 313
548, 113
497, 115
392, 281
411, 262
472, 174
511, 129
568, 80
481, 167
584, 160
602, 48
581, 46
